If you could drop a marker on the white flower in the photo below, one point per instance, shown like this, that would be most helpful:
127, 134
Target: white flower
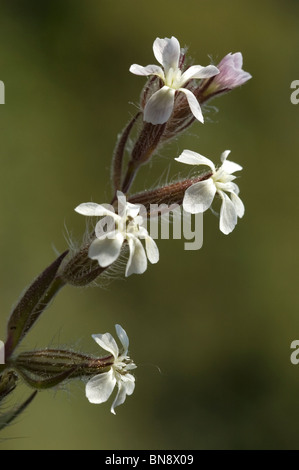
124, 226
100, 387
199, 196
159, 107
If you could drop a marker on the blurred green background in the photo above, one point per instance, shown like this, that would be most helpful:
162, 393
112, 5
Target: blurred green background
211, 329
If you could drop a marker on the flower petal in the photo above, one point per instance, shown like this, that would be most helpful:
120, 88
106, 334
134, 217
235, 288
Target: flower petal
227, 165
148, 70
119, 399
137, 262
105, 228
228, 187
239, 206
167, 52
231, 72
126, 208
93, 209
123, 337
237, 59
197, 71
129, 383
193, 158
228, 214
99, 388
199, 197
107, 342
132, 210
123, 391
106, 250
159, 107
193, 103
152, 250
158, 48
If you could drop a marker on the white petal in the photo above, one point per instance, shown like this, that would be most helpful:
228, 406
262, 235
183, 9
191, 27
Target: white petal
123, 391
199, 197
119, 399
159, 107
121, 204
193, 158
142, 232
148, 70
239, 206
151, 250
158, 48
197, 71
228, 187
193, 103
107, 342
132, 210
123, 337
228, 214
129, 382
93, 209
131, 366
137, 262
227, 165
99, 388
167, 52
224, 155
237, 60
106, 228
106, 250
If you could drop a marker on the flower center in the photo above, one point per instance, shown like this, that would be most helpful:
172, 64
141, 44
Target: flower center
173, 78
221, 176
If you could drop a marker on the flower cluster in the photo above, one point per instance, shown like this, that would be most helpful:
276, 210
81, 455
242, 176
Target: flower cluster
172, 99
165, 114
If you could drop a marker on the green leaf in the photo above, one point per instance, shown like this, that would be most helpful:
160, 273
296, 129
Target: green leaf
32, 304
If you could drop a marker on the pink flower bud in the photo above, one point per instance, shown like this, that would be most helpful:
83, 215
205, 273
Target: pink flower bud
231, 73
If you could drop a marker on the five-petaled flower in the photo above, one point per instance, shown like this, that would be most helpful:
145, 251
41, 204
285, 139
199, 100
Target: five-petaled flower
100, 387
199, 196
159, 107
112, 231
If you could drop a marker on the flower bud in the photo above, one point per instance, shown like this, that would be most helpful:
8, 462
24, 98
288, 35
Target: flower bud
231, 76
49, 367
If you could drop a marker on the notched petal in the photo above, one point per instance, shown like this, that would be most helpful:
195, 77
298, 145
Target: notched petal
199, 197
99, 388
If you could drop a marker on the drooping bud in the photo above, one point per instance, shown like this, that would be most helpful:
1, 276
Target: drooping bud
231, 76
